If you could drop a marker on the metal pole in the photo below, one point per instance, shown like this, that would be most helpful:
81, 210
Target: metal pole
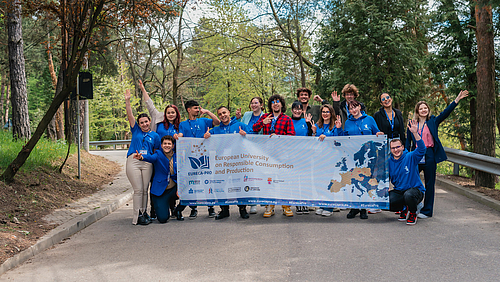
86, 127
78, 125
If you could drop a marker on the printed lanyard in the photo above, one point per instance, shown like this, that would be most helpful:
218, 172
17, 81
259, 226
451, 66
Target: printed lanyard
273, 124
391, 122
191, 126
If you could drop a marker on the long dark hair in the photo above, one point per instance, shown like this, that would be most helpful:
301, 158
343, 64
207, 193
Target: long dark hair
333, 118
177, 119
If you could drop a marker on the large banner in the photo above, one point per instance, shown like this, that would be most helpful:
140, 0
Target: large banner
344, 172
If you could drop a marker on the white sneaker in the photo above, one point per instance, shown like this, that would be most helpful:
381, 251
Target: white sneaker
374, 211
326, 213
253, 209
421, 215
419, 207
319, 211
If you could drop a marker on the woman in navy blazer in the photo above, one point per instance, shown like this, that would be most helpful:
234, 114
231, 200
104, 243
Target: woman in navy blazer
163, 186
428, 129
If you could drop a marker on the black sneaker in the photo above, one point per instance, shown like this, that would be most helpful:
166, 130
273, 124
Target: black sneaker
141, 220
244, 213
298, 210
352, 213
178, 215
412, 218
222, 214
193, 214
305, 210
211, 212
403, 215
363, 214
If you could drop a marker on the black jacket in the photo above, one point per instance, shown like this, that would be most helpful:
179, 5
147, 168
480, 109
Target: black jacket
384, 125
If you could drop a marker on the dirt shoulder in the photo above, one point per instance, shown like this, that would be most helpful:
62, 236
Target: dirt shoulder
35, 194
469, 183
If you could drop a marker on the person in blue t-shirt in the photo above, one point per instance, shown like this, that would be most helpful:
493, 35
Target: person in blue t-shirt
303, 127
196, 127
228, 126
166, 123
408, 189
327, 125
145, 141
163, 187
359, 123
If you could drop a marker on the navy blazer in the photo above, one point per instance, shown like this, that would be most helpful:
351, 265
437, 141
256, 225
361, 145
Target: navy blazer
162, 171
433, 124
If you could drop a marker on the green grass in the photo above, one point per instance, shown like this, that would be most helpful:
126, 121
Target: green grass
44, 153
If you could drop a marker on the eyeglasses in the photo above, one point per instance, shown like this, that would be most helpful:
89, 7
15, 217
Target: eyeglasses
350, 94
385, 98
325, 112
275, 102
397, 147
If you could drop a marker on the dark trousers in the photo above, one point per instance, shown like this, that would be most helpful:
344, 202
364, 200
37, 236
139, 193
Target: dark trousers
224, 208
162, 204
182, 207
410, 198
429, 169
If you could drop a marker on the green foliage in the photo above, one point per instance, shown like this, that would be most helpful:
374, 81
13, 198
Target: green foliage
240, 70
108, 118
44, 154
40, 95
378, 46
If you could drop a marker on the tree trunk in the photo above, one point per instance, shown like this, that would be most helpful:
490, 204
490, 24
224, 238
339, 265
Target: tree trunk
56, 126
485, 72
2, 101
19, 95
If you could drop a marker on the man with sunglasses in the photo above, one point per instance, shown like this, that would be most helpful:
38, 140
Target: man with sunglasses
408, 189
275, 123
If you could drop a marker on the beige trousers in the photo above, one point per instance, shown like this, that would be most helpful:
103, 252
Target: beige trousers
139, 174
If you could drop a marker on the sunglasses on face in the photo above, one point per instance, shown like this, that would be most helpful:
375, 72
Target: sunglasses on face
275, 102
385, 98
325, 112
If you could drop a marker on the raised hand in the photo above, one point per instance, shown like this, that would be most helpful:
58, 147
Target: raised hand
308, 118
314, 128
238, 113
317, 98
242, 132
461, 95
338, 122
203, 111
335, 97
268, 119
127, 95
413, 126
207, 134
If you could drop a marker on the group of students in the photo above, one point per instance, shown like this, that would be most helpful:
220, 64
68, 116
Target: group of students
152, 149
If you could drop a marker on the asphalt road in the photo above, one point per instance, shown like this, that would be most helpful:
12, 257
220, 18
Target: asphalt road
460, 243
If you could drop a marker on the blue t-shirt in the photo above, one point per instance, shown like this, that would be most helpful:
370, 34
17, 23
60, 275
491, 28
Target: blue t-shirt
195, 128
143, 142
300, 126
364, 125
160, 129
325, 130
232, 127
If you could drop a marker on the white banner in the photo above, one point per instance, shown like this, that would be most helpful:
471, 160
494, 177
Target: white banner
228, 169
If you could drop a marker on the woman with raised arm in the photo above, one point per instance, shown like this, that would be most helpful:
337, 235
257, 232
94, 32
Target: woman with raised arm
145, 141
328, 125
428, 129
166, 123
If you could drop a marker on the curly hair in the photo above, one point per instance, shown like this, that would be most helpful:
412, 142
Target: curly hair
350, 88
276, 97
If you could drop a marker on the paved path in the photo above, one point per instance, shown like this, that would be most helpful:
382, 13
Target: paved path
461, 243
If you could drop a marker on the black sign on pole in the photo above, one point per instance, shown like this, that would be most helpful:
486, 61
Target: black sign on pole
86, 87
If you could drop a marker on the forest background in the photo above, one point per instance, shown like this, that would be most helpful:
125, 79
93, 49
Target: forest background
223, 52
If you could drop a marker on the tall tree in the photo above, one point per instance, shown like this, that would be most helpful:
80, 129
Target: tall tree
486, 111
19, 94
87, 17
376, 46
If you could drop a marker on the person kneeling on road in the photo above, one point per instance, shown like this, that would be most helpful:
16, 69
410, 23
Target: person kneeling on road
408, 189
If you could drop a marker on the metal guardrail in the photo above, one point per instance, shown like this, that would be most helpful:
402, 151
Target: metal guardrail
109, 143
458, 157
475, 161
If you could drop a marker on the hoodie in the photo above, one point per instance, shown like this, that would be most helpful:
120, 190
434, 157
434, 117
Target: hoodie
403, 172
364, 125
233, 127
